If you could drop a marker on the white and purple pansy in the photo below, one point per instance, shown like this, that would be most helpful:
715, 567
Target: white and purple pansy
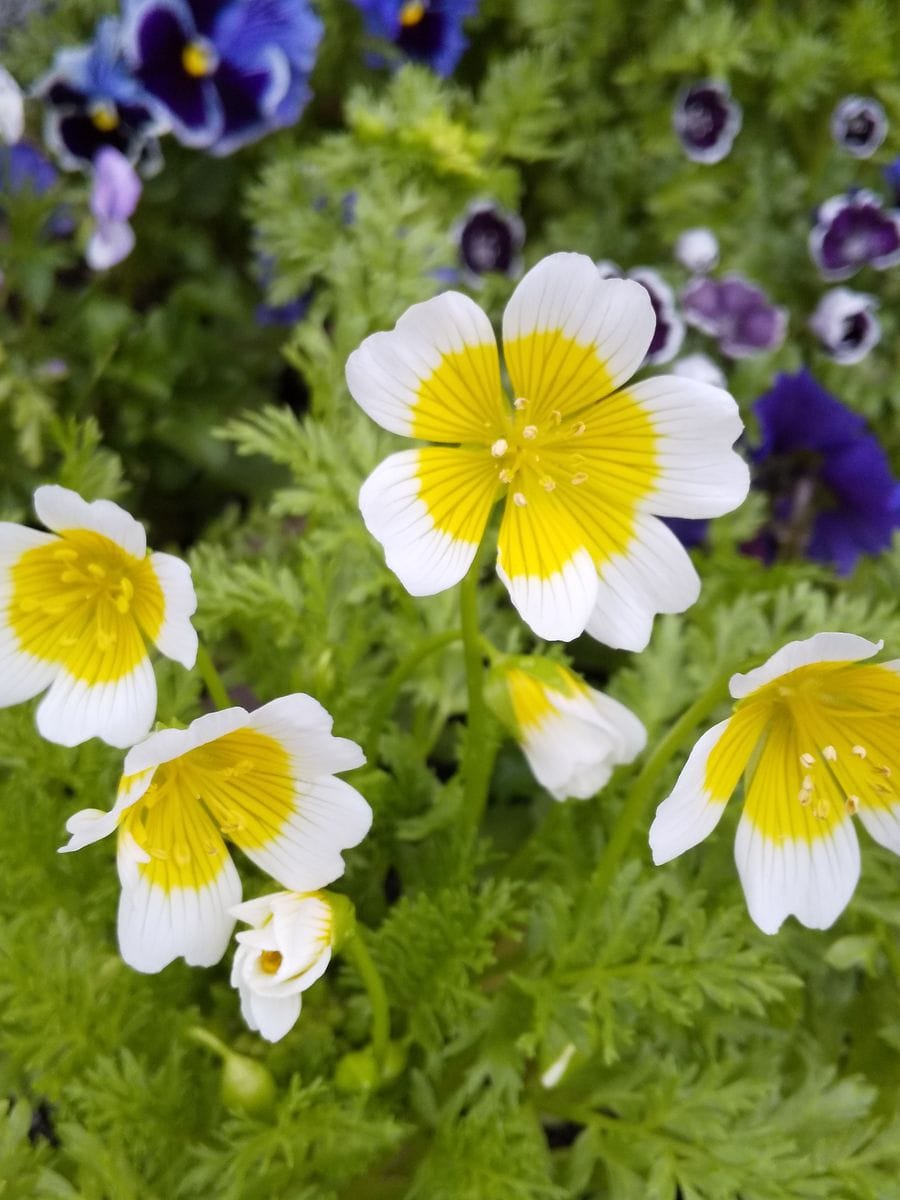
854, 230
736, 313
426, 31
706, 120
669, 332
845, 324
489, 240
859, 125
225, 72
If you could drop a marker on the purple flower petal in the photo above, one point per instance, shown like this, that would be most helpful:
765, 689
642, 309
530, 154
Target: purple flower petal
116, 188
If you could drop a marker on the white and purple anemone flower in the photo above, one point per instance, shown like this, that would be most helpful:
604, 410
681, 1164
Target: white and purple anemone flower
859, 125
854, 230
669, 332
707, 119
845, 324
697, 250
114, 196
489, 239
736, 313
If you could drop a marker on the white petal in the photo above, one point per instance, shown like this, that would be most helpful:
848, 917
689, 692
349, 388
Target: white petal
556, 608
386, 373
331, 816
822, 647
167, 744
272, 1016
110, 243
566, 292
91, 824
12, 110
156, 927
303, 727
689, 813
883, 824
61, 509
811, 880
256, 912
22, 676
177, 638
16, 539
119, 713
656, 575
695, 425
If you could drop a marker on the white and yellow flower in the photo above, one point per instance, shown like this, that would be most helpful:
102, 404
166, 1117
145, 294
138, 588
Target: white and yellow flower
79, 606
286, 951
814, 731
584, 466
572, 735
266, 781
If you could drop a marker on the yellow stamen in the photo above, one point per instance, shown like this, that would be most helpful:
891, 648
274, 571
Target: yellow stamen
270, 961
579, 478
199, 59
829, 753
412, 13
530, 432
859, 751
499, 447
104, 116
807, 760
852, 805
519, 403
520, 499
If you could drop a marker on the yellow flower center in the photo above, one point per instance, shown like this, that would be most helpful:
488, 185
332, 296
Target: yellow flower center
104, 115
270, 961
199, 58
545, 456
412, 13
82, 601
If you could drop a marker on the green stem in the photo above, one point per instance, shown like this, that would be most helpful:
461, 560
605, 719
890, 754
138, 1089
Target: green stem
212, 680
204, 1038
477, 757
362, 958
634, 806
387, 697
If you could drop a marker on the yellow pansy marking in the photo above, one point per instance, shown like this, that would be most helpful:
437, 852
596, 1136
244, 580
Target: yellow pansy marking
458, 487
828, 748
104, 115
199, 59
240, 785
270, 961
83, 602
461, 399
555, 373
412, 13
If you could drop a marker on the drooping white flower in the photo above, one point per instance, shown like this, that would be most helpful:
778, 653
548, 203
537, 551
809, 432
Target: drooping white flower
12, 109
815, 730
81, 603
285, 952
266, 781
571, 734
697, 250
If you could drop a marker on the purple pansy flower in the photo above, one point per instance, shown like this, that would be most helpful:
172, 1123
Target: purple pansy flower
489, 239
225, 71
735, 312
93, 100
833, 495
859, 125
669, 332
114, 196
853, 231
707, 119
24, 168
427, 31
845, 324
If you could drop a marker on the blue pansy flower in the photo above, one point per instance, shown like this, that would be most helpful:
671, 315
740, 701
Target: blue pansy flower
23, 168
92, 100
226, 71
427, 31
833, 495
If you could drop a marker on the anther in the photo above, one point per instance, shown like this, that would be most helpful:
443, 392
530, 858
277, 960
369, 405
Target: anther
829, 753
96, 570
852, 805
578, 430
499, 447
579, 478
807, 760
556, 417
520, 499
859, 751
530, 432
519, 403
547, 483
808, 784
804, 796
506, 476
884, 770
821, 810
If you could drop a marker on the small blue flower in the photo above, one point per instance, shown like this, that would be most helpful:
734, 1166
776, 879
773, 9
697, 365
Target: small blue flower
706, 120
225, 71
833, 495
427, 31
24, 167
92, 100
859, 125
489, 239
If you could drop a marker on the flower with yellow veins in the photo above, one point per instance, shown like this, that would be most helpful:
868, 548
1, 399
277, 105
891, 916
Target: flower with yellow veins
584, 466
571, 734
814, 732
79, 606
266, 781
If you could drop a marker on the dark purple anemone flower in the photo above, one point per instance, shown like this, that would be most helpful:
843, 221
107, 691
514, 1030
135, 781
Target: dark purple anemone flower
92, 100
426, 31
669, 332
707, 120
489, 239
833, 495
845, 324
735, 312
226, 72
853, 231
859, 125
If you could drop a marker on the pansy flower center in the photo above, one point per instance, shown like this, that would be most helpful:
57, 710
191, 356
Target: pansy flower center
542, 455
200, 58
412, 13
104, 115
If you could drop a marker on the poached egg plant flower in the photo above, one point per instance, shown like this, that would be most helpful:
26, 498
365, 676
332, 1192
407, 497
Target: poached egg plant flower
286, 951
584, 467
266, 781
814, 732
79, 606
571, 734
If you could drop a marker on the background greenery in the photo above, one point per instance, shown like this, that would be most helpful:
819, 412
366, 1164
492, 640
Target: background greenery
711, 1062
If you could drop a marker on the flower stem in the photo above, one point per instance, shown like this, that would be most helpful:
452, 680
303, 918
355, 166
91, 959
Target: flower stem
478, 755
357, 949
643, 786
387, 697
212, 680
